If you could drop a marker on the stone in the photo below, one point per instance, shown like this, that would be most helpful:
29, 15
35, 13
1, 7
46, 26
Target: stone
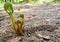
46, 38
39, 36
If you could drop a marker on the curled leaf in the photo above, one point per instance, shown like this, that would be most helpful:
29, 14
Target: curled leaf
22, 16
8, 8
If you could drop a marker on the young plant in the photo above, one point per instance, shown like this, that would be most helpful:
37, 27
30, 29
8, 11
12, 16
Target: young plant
17, 25
20, 24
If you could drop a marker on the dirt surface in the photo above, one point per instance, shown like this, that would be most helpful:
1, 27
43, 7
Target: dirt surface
40, 24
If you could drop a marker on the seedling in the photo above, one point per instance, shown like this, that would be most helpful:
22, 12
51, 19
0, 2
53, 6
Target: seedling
17, 24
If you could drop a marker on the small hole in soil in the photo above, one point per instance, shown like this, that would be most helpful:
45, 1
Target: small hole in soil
33, 15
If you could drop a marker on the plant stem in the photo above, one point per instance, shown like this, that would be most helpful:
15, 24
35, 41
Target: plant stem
16, 27
13, 22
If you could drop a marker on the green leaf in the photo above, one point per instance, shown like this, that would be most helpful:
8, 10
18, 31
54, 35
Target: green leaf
22, 16
8, 8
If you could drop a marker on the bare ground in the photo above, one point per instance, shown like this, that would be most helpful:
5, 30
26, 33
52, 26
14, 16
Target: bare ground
37, 29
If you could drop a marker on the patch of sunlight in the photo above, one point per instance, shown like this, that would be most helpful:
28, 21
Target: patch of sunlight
44, 1
36, 22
